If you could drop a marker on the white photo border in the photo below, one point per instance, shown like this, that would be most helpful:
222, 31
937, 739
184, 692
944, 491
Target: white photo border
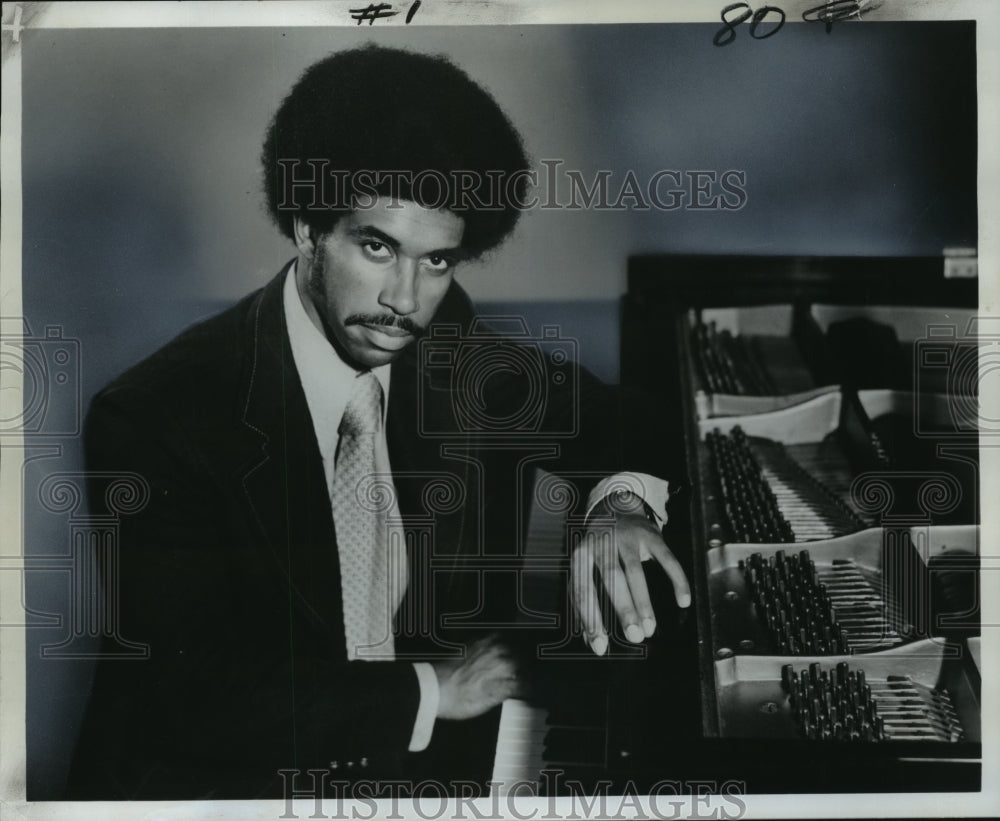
294, 13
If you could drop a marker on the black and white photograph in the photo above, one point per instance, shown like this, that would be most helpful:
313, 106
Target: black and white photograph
443, 409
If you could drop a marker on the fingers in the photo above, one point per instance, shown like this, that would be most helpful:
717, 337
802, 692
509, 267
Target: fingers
623, 578
490, 658
501, 687
498, 672
485, 677
626, 589
484, 647
667, 560
636, 579
585, 595
618, 589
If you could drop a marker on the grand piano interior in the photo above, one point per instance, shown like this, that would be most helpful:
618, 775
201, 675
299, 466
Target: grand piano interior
826, 413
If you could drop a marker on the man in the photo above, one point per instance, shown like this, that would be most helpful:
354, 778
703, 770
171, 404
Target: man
281, 570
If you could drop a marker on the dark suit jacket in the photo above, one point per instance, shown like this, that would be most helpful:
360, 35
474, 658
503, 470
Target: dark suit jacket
230, 572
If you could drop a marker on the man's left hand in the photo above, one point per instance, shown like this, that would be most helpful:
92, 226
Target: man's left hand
616, 554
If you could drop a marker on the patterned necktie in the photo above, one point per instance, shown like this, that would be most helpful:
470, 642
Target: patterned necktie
360, 526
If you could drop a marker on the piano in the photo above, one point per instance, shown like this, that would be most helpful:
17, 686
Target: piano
827, 411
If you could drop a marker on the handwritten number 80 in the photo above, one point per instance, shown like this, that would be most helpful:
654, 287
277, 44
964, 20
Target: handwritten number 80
726, 35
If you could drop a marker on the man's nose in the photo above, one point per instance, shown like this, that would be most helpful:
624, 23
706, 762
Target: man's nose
400, 290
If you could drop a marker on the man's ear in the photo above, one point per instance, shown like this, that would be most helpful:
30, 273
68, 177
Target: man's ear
304, 238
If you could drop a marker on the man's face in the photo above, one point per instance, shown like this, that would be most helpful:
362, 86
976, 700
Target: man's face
374, 282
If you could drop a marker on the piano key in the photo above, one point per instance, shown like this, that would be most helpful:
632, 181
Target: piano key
520, 739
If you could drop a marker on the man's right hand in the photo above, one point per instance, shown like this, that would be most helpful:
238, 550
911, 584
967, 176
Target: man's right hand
476, 683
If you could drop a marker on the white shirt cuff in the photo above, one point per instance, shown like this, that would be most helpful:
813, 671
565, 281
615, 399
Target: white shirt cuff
430, 695
653, 491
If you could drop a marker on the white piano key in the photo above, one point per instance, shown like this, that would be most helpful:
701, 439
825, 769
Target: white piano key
520, 744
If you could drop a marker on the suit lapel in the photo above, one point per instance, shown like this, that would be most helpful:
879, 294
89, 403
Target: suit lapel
418, 460
285, 488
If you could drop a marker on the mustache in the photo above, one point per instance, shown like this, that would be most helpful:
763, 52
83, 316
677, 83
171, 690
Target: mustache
404, 323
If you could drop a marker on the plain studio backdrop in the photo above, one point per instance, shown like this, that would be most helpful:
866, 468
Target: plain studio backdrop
143, 209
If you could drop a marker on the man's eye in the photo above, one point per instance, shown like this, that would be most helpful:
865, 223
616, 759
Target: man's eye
439, 263
377, 250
